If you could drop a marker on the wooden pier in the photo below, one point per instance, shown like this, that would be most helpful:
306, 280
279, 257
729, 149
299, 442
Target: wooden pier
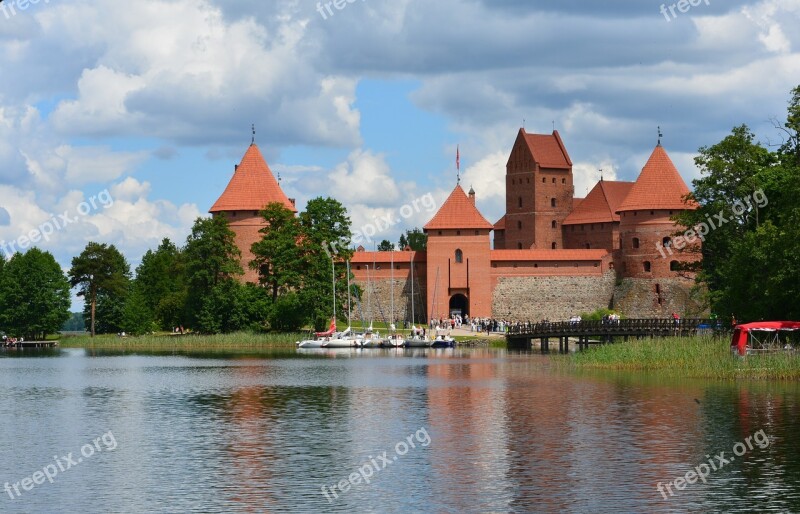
602, 332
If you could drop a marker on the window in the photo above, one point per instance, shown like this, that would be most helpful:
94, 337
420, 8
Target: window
554, 180
519, 225
563, 181
647, 266
458, 232
528, 180
233, 214
636, 242
477, 232
552, 202
519, 202
554, 246
544, 180
667, 242
588, 246
535, 264
658, 288
519, 246
255, 213
651, 213
440, 232
674, 266
459, 256
553, 224
358, 267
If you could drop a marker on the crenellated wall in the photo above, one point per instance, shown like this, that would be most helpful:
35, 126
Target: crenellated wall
658, 298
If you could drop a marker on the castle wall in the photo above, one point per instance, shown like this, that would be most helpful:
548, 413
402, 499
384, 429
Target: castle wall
379, 307
595, 235
650, 228
658, 298
555, 298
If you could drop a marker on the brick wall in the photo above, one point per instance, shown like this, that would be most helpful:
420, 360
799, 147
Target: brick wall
381, 301
551, 297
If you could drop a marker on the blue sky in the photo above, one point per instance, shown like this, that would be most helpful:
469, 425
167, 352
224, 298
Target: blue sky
153, 100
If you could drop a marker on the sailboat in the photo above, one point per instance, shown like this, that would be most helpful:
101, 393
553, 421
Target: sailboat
344, 339
416, 339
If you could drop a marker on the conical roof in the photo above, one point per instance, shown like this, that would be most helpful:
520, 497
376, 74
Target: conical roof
458, 212
659, 186
252, 186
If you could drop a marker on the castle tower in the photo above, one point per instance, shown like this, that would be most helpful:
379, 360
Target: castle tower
646, 230
594, 223
458, 259
252, 187
539, 193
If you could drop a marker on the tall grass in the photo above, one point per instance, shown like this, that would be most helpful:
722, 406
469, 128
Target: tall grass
697, 357
237, 340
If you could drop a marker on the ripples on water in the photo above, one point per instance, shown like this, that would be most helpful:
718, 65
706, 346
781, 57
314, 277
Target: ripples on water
507, 434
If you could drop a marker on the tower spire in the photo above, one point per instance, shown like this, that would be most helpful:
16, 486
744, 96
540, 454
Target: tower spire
253, 140
660, 135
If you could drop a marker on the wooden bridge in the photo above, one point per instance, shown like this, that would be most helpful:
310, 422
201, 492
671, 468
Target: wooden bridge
522, 335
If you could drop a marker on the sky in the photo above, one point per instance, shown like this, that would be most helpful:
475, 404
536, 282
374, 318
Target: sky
121, 122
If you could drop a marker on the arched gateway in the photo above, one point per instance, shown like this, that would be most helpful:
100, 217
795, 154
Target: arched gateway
459, 304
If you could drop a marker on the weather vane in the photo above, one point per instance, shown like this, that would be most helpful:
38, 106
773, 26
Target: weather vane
253, 141
660, 135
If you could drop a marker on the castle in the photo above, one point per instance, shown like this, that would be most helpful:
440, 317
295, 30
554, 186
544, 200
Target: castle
554, 255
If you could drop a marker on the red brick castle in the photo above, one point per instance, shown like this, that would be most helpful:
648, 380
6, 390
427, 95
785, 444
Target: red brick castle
554, 255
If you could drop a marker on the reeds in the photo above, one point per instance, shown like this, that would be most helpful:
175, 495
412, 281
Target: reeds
691, 357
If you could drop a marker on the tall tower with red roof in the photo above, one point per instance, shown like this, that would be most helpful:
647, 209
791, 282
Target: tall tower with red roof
539, 193
252, 187
651, 253
458, 259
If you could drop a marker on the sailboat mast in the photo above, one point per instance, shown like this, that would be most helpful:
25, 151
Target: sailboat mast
333, 276
412, 289
391, 289
348, 294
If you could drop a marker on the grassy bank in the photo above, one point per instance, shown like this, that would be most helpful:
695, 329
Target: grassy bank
238, 341
699, 357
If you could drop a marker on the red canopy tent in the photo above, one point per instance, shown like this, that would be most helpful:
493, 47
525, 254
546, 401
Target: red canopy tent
742, 333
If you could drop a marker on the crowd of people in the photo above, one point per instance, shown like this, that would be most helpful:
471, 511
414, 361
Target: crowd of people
12, 341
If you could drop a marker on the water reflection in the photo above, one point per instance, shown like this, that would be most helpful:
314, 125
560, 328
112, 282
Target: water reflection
211, 432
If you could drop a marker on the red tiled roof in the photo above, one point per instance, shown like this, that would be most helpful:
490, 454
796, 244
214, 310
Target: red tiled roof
576, 202
386, 257
252, 186
458, 212
547, 255
548, 150
601, 204
501, 224
659, 186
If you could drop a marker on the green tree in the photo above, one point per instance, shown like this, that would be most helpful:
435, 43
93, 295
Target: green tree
35, 295
415, 238
324, 221
750, 265
385, 246
278, 257
101, 270
212, 270
137, 318
161, 280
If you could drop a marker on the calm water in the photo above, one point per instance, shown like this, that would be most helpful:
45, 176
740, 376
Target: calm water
463, 431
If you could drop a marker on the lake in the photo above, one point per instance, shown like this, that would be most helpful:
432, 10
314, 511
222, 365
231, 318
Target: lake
385, 431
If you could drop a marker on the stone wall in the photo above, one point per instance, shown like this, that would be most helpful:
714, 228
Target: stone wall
658, 298
555, 298
381, 300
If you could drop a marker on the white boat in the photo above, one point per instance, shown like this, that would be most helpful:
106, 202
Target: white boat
319, 338
344, 339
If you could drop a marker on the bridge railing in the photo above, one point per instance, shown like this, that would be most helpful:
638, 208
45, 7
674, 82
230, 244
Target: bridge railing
614, 327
